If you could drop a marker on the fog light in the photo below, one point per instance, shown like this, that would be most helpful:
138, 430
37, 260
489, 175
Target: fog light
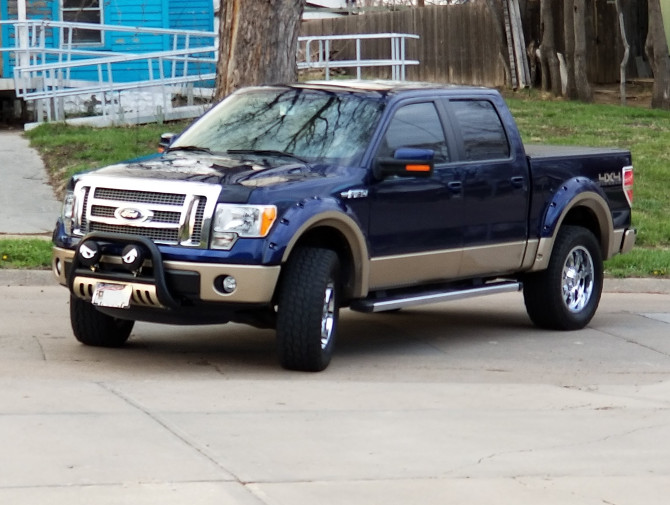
229, 284
58, 269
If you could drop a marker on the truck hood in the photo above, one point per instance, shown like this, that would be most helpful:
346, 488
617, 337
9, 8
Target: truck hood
251, 171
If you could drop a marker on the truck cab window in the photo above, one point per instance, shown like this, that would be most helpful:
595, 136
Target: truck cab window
483, 134
416, 125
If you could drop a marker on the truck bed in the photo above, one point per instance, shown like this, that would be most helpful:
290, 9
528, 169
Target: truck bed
545, 151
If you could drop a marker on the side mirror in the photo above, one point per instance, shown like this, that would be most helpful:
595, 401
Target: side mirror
165, 141
406, 162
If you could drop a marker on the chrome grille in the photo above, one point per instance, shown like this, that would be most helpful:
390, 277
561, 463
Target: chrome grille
167, 212
129, 195
160, 235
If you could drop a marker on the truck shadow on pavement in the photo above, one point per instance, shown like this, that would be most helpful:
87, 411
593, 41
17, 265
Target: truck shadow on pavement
236, 348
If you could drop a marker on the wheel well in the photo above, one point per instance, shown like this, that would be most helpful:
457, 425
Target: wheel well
586, 218
331, 238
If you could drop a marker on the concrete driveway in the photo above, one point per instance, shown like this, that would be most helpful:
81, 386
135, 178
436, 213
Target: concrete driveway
460, 403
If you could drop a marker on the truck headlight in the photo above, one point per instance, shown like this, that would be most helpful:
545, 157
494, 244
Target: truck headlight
68, 212
246, 221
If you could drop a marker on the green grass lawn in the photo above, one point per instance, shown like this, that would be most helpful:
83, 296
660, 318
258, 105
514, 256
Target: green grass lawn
647, 134
25, 253
68, 149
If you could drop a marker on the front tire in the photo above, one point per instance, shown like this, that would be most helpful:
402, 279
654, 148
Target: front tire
566, 295
308, 313
91, 327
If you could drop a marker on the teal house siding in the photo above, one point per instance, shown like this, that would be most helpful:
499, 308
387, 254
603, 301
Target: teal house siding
35, 9
170, 14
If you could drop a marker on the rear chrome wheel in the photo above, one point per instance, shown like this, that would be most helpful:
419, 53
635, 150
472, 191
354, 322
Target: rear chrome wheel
578, 279
566, 295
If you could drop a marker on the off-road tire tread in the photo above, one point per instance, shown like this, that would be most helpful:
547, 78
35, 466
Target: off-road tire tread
91, 327
301, 306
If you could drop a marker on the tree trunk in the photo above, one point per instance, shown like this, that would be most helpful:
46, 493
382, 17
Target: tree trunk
495, 8
569, 28
626, 53
257, 43
584, 89
551, 76
656, 48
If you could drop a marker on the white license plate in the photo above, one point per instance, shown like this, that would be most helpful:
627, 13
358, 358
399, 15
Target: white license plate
108, 294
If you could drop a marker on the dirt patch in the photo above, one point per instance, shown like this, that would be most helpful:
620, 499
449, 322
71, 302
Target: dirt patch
638, 93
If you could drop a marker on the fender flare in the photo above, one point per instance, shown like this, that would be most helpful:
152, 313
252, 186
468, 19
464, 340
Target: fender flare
294, 224
575, 193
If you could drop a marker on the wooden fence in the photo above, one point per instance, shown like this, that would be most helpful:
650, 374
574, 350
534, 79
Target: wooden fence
443, 52
459, 43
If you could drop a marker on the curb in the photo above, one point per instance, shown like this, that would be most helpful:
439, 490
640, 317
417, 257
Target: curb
16, 277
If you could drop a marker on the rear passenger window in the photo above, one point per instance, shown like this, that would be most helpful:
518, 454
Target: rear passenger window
417, 125
483, 134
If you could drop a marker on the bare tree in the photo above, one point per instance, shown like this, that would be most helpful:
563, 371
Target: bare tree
626, 52
257, 43
551, 77
584, 89
569, 35
656, 48
496, 10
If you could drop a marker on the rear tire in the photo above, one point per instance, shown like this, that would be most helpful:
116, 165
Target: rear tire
94, 328
308, 313
566, 295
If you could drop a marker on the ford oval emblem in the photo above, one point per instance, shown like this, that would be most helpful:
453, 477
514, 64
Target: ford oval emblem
132, 214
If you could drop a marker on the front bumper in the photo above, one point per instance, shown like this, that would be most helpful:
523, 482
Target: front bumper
173, 284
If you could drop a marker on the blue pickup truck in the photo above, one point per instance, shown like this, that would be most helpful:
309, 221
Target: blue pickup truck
284, 204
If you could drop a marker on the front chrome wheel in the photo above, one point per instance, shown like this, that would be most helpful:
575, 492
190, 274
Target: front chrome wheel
328, 315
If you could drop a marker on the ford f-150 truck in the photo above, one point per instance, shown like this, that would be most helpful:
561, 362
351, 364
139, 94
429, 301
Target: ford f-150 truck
284, 204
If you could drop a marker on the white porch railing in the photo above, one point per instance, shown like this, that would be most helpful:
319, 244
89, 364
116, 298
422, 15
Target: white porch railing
315, 53
48, 75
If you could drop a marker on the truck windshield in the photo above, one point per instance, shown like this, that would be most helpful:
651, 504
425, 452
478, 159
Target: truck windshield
305, 123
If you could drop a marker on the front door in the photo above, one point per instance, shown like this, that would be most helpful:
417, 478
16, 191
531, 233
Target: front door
414, 229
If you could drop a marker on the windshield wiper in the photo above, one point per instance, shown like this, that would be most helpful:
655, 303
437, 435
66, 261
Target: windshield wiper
266, 152
190, 148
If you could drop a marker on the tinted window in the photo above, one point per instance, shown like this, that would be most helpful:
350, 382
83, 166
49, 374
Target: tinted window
416, 125
483, 134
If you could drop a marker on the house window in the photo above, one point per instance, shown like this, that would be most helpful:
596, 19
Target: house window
83, 11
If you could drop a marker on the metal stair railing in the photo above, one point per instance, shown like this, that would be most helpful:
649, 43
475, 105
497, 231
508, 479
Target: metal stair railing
315, 53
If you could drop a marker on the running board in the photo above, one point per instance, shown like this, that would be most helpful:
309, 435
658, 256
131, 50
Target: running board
410, 300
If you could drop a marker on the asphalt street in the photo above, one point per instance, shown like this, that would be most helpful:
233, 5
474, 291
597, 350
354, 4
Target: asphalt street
458, 403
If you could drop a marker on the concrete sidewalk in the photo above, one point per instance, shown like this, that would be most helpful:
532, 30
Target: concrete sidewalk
29, 205
460, 403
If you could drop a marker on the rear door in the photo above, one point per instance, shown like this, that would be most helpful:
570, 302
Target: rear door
495, 189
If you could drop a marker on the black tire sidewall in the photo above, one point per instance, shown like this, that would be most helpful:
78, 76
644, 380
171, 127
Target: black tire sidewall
543, 292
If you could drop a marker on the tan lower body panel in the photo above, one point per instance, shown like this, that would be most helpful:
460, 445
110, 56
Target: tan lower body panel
412, 269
